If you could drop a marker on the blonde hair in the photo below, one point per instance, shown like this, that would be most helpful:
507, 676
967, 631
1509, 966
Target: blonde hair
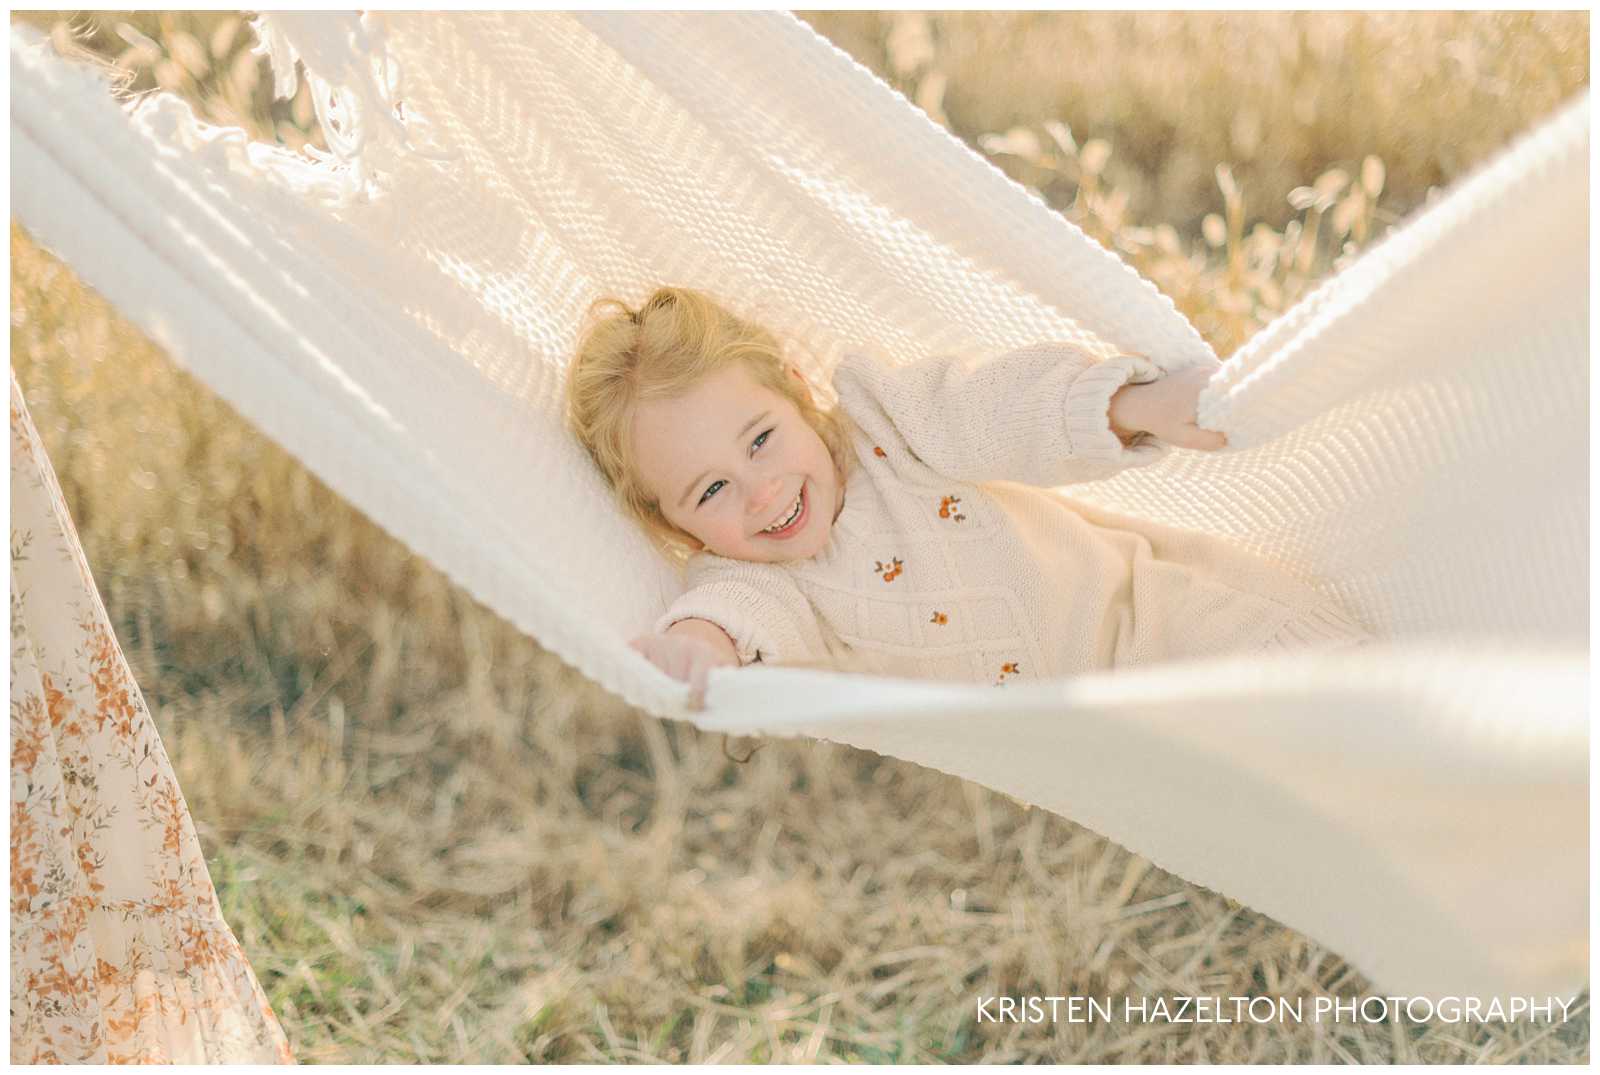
661, 350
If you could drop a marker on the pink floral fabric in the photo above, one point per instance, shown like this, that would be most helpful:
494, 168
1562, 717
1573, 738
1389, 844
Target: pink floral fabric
119, 953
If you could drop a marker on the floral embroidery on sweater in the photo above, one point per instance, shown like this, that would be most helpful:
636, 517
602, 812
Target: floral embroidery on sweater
948, 509
889, 571
1010, 668
879, 452
940, 618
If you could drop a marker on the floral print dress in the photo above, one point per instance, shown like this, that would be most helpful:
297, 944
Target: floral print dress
119, 953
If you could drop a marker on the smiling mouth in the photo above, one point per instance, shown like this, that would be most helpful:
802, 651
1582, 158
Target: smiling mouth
788, 522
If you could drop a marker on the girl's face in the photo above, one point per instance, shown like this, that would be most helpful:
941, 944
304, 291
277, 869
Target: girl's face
734, 465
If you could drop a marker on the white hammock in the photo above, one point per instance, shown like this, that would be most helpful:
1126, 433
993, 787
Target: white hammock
1413, 436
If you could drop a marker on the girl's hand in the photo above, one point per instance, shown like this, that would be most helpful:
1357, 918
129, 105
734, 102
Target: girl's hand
688, 651
1165, 409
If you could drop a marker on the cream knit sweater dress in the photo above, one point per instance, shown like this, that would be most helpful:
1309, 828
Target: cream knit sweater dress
953, 558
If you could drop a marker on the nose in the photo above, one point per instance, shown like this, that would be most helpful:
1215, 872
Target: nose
766, 492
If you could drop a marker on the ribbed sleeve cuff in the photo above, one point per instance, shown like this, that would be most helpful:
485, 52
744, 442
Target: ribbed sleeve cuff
728, 613
1088, 406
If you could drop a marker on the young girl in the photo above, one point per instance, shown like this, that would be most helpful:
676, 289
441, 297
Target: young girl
912, 529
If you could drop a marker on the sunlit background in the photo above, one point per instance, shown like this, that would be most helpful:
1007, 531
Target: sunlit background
435, 843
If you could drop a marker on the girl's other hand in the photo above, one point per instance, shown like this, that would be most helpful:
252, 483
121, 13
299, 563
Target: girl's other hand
688, 651
1166, 409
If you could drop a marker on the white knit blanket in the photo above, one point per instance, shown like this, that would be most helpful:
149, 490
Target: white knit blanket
1413, 437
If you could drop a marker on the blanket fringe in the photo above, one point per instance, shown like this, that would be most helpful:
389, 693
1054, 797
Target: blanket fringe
356, 91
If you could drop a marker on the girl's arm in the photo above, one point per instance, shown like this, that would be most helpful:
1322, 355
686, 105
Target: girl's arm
1041, 414
733, 613
688, 650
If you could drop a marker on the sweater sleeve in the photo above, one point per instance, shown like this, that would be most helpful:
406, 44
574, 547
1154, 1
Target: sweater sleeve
758, 605
1036, 415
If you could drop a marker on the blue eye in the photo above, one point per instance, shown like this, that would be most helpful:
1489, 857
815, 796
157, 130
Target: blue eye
763, 438
711, 491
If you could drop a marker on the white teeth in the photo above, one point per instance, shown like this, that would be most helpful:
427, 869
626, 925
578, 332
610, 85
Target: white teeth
775, 527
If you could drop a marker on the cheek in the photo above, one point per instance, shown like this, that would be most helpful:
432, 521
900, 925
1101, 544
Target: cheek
707, 526
690, 525
723, 526
821, 457
678, 521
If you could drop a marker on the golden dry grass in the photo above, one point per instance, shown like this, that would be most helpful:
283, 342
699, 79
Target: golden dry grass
437, 843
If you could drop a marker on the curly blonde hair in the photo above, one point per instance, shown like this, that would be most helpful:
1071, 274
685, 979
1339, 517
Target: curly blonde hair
677, 338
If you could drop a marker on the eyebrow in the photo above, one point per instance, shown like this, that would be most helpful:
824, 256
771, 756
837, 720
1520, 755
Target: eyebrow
739, 436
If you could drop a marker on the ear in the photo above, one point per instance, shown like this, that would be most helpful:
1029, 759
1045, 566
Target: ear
805, 385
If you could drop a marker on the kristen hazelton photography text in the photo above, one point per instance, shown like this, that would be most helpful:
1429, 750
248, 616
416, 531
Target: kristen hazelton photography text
437, 843
1260, 1009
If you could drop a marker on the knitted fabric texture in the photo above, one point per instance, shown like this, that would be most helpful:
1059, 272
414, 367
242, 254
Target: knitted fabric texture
1411, 440
929, 574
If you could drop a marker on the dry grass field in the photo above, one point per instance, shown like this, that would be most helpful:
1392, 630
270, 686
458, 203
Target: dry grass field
436, 843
